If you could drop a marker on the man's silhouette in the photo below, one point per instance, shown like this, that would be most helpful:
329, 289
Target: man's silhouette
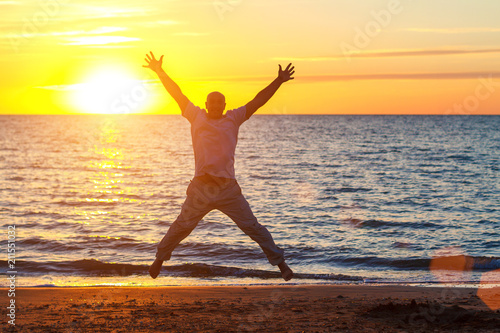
214, 186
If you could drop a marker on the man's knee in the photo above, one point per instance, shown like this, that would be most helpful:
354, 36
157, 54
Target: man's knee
182, 223
251, 226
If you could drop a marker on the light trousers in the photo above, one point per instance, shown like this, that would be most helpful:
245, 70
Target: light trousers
207, 193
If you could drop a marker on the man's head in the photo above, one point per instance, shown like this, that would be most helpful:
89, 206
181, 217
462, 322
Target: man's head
216, 103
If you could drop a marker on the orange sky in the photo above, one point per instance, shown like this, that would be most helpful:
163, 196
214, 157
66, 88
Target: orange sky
351, 57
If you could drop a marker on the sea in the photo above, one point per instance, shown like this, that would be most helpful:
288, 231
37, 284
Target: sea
352, 199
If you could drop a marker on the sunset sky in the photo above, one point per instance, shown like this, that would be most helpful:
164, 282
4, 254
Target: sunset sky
351, 57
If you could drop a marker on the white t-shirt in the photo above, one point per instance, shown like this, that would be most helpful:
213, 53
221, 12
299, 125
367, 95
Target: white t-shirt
214, 140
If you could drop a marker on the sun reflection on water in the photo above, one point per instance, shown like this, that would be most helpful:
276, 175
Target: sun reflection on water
108, 166
108, 156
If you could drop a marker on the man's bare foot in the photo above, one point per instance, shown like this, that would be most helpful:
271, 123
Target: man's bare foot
286, 272
155, 268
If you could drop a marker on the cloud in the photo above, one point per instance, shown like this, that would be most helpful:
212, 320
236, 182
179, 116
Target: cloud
309, 59
100, 40
414, 53
390, 53
61, 87
78, 86
313, 79
401, 76
191, 34
160, 23
364, 77
107, 10
469, 30
97, 31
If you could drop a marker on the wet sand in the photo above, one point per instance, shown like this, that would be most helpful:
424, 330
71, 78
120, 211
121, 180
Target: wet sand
286, 308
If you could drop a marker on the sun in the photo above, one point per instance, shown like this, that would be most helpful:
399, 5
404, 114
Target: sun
111, 91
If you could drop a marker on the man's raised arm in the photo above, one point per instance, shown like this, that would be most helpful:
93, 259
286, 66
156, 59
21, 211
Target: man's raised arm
169, 84
268, 92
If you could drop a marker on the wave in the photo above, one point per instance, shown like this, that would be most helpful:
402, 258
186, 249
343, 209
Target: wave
17, 178
328, 198
379, 224
50, 245
486, 263
311, 165
465, 158
42, 213
332, 165
104, 199
83, 243
92, 267
470, 263
82, 203
347, 190
262, 177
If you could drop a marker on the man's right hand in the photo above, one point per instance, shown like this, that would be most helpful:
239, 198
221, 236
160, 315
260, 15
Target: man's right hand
153, 64
286, 75
169, 84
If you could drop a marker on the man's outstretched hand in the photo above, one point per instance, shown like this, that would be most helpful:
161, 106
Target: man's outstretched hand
286, 75
153, 64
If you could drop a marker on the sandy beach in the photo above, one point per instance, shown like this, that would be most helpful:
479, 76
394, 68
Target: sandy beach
285, 308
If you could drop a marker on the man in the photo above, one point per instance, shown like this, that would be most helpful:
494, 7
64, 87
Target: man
214, 186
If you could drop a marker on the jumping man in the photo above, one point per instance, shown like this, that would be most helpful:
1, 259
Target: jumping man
214, 185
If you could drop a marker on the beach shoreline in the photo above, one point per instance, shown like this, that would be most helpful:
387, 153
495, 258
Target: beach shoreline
251, 308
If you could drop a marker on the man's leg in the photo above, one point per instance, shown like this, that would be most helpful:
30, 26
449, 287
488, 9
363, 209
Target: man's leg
240, 212
194, 208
